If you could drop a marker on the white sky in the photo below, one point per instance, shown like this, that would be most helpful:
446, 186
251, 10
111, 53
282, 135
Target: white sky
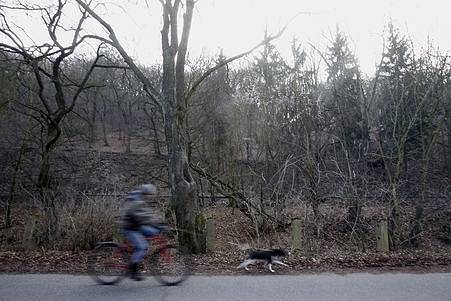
236, 25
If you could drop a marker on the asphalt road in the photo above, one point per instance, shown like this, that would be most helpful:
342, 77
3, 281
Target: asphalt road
349, 287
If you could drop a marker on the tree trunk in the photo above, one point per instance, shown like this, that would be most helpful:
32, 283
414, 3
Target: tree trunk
354, 211
393, 227
156, 143
12, 191
92, 124
127, 129
105, 140
53, 134
184, 201
417, 226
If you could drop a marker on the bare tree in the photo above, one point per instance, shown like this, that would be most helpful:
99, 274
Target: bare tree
432, 117
57, 93
345, 106
173, 101
403, 101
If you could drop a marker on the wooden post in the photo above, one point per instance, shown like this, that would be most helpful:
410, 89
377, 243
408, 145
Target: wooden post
201, 232
211, 235
28, 240
382, 243
296, 241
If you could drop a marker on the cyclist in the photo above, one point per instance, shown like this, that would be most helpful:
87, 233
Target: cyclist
139, 222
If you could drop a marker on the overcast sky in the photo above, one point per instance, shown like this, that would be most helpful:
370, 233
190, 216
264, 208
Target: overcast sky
236, 25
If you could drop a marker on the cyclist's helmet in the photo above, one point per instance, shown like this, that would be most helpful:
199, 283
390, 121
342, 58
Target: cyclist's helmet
148, 189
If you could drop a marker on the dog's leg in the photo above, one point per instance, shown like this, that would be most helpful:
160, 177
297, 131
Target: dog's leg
242, 265
245, 264
250, 261
280, 262
270, 268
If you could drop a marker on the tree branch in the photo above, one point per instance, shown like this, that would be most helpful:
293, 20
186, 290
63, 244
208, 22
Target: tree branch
268, 39
245, 204
82, 85
148, 87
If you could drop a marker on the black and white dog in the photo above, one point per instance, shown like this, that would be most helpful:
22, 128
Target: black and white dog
269, 256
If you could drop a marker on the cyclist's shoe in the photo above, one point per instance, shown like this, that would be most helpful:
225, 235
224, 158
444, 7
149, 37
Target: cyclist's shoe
134, 272
137, 277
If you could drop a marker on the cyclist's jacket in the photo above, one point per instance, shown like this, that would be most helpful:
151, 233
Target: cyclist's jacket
136, 213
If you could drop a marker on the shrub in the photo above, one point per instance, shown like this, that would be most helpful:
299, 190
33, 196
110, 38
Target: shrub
80, 224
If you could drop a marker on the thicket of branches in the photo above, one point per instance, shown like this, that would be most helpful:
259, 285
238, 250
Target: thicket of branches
267, 133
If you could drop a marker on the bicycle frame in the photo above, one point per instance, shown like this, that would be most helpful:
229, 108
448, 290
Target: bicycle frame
156, 242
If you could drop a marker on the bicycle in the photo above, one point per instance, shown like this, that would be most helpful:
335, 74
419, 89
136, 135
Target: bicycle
167, 262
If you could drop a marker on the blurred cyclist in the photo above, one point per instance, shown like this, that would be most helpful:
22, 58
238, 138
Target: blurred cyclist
139, 222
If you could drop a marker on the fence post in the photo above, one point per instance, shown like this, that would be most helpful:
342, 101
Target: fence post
200, 232
28, 239
382, 243
210, 235
296, 241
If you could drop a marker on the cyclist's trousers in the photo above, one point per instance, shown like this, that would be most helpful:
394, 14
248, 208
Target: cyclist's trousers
138, 241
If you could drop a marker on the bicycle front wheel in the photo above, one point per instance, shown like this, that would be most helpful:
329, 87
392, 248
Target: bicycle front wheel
108, 263
171, 265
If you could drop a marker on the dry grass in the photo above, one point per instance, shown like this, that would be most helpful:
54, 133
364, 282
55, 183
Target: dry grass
334, 250
80, 224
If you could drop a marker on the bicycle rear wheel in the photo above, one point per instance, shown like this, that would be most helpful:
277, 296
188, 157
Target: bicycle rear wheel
171, 265
108, 263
